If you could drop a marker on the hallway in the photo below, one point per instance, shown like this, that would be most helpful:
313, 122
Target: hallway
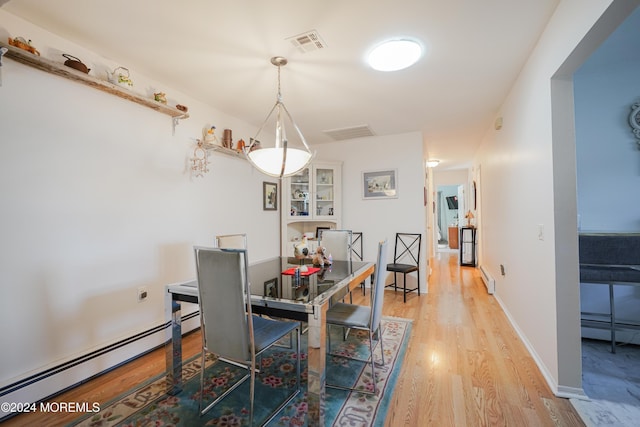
465, 365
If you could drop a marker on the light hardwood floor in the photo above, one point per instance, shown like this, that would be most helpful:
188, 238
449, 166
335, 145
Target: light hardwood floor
464, 366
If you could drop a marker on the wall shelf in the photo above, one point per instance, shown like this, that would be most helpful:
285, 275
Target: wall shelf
62, 70
223, 150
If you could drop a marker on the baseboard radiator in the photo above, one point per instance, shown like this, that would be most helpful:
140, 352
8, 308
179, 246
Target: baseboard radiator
50, 382
488, 279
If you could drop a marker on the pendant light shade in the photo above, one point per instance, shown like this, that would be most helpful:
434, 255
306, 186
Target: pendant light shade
285, 157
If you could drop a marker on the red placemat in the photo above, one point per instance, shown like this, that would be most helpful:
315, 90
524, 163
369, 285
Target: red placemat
310, 270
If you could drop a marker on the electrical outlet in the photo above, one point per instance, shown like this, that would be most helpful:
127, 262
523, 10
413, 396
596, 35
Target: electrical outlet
142, 293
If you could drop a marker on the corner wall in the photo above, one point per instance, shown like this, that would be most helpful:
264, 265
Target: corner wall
528, 203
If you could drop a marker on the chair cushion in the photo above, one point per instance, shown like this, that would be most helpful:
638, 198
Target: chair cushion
353, 315
268, 331
610, 273
402, 268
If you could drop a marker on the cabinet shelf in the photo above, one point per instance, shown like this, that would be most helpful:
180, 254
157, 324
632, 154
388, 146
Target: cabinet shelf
62, 70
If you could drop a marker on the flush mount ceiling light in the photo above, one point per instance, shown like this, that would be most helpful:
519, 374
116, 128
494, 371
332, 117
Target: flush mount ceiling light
393, 55
282, 159
432, 163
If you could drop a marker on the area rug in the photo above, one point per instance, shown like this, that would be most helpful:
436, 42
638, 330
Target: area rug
149, 405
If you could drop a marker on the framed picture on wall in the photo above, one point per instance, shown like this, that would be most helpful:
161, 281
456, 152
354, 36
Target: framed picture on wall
269, 196
271, 288
382, 184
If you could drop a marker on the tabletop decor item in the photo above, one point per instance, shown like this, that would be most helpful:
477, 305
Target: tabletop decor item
301, 250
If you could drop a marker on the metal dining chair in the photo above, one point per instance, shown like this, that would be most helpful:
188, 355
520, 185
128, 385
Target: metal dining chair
353, 316
229, 328
357, 250
406, 259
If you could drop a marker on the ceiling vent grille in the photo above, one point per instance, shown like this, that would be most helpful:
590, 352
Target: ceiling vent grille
307, 42
350, 132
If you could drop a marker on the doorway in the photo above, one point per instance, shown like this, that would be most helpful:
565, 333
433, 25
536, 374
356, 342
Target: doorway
450, 202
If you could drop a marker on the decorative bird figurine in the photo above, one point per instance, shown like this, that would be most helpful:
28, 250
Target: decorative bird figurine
301, 250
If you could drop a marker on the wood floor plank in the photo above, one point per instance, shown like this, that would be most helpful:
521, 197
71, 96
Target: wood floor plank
464, 364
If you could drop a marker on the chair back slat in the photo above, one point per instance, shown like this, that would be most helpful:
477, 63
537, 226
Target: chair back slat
222, 286
338, 243
407, 248
378, 291
357, 245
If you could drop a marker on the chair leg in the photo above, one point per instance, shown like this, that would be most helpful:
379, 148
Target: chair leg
418, 281
252, 392
373, 368
201, 381
404, 284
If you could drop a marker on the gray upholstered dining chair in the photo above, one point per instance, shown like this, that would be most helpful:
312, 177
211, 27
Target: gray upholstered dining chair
231, 241
338, 244
229, 328
353, 316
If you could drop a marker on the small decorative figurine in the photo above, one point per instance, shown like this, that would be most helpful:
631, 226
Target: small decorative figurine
301, 250
209, 135
320, 258
160, 97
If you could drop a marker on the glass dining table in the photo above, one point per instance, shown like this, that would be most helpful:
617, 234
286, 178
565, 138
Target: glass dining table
277, 291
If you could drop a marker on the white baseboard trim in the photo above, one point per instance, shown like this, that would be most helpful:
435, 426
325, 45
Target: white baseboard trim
557, 390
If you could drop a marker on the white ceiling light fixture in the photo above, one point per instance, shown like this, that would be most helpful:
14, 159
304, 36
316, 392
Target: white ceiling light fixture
394, 55
432, 163
282, 159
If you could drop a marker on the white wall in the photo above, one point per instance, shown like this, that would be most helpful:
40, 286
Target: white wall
608, 170
380, 219
97, 200
528, 182
607, 152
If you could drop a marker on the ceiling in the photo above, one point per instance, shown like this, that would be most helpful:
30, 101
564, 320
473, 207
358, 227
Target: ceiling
219, 52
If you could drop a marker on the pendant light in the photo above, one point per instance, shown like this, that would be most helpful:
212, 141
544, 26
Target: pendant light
283, 158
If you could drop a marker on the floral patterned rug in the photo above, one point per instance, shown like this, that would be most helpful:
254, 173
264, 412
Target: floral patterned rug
149, 405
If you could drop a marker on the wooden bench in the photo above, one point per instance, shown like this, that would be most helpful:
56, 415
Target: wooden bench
609, 259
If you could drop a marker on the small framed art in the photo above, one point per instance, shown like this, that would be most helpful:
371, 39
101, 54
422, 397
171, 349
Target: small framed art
269, 196
381, 184
271, 288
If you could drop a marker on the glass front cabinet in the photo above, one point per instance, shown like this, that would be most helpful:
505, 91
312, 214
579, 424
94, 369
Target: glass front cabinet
311, 200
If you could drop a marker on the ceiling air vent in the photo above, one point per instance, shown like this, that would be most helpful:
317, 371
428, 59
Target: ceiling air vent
350, 133
307, 42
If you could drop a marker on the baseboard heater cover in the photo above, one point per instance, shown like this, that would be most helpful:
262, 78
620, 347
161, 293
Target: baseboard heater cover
488, 279
23, 390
